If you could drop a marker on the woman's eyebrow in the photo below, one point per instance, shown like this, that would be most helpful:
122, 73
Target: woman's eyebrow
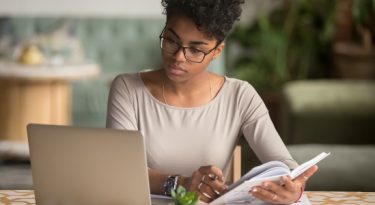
192, 42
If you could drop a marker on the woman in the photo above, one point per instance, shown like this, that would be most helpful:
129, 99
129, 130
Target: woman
191, 118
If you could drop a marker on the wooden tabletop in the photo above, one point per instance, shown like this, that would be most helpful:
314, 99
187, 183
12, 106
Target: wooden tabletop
67, 71
318, 198
333, 198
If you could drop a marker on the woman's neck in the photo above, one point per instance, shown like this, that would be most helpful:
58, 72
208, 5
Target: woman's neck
193, 92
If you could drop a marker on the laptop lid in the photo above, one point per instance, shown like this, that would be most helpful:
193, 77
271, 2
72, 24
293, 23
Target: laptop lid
72, 165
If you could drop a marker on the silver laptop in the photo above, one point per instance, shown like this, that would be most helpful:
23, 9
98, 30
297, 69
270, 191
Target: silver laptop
72, 165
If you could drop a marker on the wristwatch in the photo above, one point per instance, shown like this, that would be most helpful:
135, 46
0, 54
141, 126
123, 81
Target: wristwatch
170, 184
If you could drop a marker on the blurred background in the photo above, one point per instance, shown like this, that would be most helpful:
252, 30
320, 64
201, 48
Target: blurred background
312, 62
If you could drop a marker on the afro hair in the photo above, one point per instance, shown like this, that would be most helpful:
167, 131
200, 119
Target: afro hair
215, 18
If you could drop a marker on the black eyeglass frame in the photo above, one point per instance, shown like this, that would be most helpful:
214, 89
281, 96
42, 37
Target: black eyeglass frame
161, 37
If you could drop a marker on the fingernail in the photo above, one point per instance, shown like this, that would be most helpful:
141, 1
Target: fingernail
254, 190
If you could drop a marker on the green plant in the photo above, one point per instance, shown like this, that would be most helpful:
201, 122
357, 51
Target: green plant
363, 12
183, 197
292, 42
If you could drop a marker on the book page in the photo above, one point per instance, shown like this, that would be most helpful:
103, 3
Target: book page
258, 170
271, 171
305, 166
241, 192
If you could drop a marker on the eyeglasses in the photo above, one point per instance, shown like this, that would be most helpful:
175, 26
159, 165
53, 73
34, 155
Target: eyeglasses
191, 54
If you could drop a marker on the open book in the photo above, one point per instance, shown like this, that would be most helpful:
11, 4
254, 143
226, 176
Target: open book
238, 192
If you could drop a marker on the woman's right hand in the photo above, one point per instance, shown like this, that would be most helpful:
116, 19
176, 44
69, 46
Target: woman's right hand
208, 182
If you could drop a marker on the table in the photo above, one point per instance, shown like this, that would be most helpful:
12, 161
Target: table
333, 198
39, 94
318, 198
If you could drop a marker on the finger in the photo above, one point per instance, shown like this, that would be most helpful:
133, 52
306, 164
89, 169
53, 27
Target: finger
204, 197
272, 187
195, 181
311, 171
294, 189
307, 174
213, 171
213, 177
218, 187
265, 195
205, 193
291, 185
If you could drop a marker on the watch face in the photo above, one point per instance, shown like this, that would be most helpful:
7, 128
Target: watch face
169, 184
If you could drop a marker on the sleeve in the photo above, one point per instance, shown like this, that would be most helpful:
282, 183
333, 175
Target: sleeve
259, 131
120, 109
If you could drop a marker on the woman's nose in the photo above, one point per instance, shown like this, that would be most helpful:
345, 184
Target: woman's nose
180, 55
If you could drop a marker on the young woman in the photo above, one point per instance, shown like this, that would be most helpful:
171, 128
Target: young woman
191, 118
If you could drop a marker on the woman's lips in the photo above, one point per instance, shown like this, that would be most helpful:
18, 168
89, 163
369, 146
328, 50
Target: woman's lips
176, 70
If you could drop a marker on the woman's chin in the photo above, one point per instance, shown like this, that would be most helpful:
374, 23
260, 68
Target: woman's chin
175, 75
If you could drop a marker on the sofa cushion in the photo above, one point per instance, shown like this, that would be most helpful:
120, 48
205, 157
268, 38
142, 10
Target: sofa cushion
329, 111
348, 168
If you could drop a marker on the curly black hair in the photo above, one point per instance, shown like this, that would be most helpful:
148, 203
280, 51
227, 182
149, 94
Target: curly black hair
214, 18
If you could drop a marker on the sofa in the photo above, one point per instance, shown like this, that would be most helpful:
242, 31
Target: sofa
336, 116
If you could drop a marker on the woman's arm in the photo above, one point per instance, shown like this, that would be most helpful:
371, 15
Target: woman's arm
267, 144
157, 180
263, 138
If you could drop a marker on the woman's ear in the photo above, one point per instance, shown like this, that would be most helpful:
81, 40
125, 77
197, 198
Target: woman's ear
218, 50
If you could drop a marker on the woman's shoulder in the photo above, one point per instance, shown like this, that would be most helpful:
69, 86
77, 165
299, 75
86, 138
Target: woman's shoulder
238, 85
126, 77
248, 100
126, 82
135, 78
137, 81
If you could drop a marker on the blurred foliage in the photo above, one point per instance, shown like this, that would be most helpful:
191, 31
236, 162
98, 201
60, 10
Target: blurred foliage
291, 42
363, 12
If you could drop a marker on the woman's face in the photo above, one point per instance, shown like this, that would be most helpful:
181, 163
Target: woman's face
180, 67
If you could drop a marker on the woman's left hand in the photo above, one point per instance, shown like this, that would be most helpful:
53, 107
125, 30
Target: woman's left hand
287, 193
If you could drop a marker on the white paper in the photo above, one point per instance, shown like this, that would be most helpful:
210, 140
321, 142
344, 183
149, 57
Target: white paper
270, 171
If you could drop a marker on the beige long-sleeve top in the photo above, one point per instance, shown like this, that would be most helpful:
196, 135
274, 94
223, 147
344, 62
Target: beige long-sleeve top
180, 140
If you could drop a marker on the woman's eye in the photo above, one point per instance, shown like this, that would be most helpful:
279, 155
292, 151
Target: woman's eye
194, 50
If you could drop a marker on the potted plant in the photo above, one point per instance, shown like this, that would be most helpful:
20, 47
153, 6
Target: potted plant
354, 50
291, 42
182, 197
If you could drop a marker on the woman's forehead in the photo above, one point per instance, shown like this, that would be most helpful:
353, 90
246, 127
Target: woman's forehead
185, 29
